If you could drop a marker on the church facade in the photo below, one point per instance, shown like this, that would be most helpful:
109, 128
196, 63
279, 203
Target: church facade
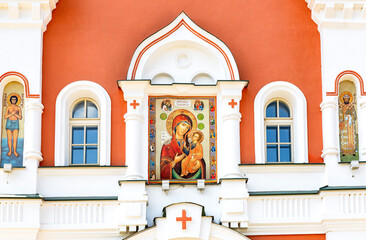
183, 120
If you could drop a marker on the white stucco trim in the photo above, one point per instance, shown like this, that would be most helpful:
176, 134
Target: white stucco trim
65, 100
297, 101
183, 29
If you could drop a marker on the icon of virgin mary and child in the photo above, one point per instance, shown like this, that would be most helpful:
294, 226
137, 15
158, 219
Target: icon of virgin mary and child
182, 156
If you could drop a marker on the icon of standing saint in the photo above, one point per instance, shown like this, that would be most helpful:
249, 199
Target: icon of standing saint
13, 114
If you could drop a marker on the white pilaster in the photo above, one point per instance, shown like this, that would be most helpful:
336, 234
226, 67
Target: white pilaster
132, 200
229, 129
362, 129
136, 129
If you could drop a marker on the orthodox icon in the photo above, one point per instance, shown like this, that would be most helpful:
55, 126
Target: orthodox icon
198, 105
12, 125
348, 136
166, 105
182, 151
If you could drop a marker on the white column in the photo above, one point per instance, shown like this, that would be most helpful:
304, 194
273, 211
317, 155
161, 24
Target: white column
361, 114
32, 129
330, 138
134, 125
136, 130
228, 135
32, 140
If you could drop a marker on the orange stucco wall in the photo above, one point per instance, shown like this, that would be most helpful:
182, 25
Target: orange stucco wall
290, 237
95, 40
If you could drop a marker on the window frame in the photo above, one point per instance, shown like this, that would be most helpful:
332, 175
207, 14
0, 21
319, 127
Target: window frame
277, 122
64, 102
83, 122
297, 102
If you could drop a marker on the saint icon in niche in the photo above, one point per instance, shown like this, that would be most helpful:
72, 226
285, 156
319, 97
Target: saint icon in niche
12, 133
13, 114
180, 123
347, 125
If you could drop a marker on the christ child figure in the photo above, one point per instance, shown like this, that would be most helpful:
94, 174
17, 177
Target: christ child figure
192, 162
13, 114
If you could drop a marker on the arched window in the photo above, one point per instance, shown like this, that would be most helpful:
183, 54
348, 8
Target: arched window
84, 127
278, 125
280, 116
79, 121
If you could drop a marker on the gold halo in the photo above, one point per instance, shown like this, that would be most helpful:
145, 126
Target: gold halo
344, 93
14, 94
190, 134
169, 121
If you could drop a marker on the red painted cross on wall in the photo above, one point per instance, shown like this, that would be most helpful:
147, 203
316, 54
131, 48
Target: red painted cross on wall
232, 103
184, 219
134, 104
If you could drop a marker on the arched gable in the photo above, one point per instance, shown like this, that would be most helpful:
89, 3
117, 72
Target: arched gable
183, 52
20, 78
355, 77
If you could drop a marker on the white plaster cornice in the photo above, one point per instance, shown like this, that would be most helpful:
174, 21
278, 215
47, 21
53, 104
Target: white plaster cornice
338, 13
27, 13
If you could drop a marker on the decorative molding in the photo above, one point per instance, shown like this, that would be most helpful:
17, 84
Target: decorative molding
337, 12
41, 13
23, 80
292, 168
344, 73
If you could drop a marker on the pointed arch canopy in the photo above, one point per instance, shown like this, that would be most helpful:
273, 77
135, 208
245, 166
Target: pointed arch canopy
182, 50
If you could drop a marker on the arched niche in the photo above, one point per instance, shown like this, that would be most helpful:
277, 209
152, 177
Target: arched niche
184, 52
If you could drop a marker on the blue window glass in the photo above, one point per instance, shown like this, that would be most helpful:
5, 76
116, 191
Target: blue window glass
78, 135
91, 155
284, 111
271, 110
78, 111
285, 153
91, 135
272, 153
285, 134
272, 134
77, 155
91, 110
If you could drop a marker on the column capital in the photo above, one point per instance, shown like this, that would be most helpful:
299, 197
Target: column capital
338, 12
34, 104
41, 13
328, 104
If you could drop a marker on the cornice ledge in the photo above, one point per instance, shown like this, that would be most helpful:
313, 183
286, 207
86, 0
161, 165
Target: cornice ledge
338, 13
27, 13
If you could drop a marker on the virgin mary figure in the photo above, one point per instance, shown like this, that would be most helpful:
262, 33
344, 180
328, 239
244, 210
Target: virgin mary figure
179, 124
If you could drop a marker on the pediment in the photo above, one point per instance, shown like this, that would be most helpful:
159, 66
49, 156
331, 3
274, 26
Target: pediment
197, 226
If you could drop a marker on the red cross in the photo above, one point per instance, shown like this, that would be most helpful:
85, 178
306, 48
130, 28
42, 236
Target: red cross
134, 104
232, 103
184, 219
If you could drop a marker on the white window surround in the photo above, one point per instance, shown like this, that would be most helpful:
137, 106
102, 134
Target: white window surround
297, 103
65, 100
